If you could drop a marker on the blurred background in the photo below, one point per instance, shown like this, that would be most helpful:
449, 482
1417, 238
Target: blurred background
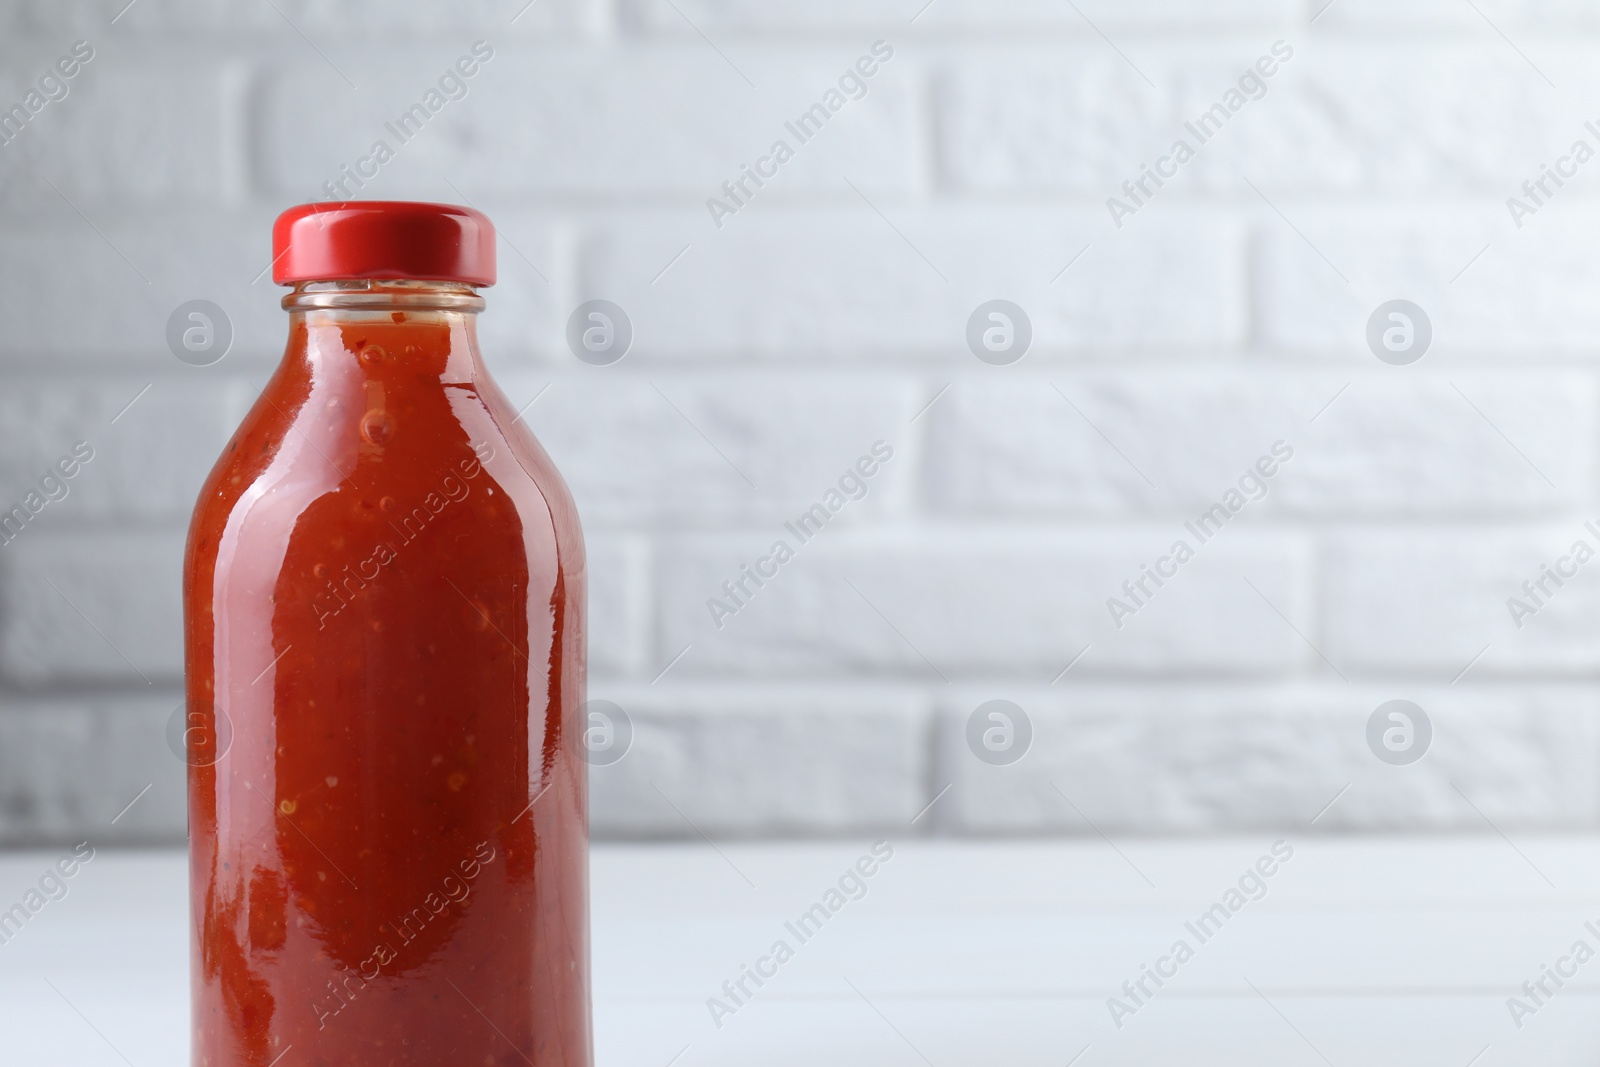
1198, 346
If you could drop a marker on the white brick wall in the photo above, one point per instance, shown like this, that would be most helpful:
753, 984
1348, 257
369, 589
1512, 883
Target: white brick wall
773, 350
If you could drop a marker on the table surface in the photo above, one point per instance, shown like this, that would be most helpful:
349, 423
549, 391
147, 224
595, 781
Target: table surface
1353, 951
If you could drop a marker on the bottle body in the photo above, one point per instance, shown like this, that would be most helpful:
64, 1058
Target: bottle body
384, 611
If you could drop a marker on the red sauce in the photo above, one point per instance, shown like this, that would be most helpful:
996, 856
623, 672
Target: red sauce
384, 597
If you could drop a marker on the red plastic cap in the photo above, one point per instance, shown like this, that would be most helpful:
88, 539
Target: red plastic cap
382, 239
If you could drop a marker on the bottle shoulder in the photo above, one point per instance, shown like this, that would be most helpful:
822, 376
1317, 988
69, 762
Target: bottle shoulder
340, 456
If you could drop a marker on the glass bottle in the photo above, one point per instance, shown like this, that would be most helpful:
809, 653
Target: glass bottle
384, 596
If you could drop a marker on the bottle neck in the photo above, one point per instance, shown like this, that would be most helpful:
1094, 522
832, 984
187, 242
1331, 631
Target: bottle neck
430, 326
383, 295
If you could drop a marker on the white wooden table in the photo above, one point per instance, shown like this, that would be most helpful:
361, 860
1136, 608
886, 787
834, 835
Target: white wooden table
1396, 951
